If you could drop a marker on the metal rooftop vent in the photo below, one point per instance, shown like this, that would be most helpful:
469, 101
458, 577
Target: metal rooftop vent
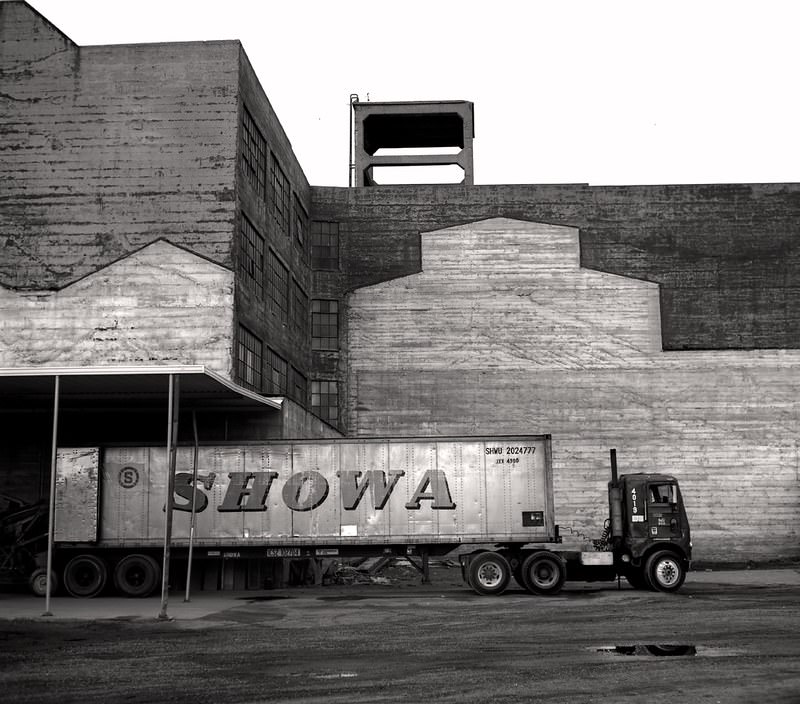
390, 138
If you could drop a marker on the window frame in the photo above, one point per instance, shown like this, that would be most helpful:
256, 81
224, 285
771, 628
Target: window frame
278, 272
324, 321
278, 366
244, 336
328, 229
281, 196
253, 150
324, 412
250, 268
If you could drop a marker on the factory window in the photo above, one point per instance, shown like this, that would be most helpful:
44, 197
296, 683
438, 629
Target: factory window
276, 374
299, 308
325, 245
299, 387
278, 287
324, 325
251, 255
325, 400
280, 197
249, 359
254, 154
300, 224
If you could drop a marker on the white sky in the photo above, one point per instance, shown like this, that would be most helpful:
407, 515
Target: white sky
565, 91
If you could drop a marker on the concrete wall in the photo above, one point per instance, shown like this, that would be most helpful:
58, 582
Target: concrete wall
160, 305
108, 148
726, 256
300, 423
290, 341
503, 332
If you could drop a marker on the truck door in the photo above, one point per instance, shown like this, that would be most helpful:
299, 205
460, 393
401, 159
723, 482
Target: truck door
663, 515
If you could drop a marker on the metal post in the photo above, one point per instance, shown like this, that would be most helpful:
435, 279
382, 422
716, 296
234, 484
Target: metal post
194, 509
172, 435
52, 511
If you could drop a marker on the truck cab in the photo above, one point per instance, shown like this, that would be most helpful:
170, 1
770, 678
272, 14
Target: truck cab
650, 533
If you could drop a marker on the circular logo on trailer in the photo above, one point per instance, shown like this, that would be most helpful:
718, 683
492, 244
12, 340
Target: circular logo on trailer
128, 477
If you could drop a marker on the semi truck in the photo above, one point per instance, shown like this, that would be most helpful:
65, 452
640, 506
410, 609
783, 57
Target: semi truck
489, 497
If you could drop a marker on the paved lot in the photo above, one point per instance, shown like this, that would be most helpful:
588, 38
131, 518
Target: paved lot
406, 642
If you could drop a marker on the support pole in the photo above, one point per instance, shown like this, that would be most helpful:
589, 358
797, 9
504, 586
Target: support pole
172, 436
52, 510
193, 519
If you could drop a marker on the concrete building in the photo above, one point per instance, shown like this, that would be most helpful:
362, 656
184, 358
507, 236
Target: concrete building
154, 220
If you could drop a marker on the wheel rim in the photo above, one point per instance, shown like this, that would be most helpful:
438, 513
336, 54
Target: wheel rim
135, 575
490, 575
667, 572
85, 576
544, 574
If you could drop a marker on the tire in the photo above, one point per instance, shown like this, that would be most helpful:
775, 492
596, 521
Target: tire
544, 573
637, 579
664, 571
489, 573
38, 582
85, 576
137, 576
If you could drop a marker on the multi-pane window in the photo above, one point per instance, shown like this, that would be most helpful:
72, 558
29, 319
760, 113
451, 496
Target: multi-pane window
300, 223
299, 387
251, 255
254, 154
299, 308
276, 373
249, 359
278, 287
325, 245
280, 197
324, 325
325, 400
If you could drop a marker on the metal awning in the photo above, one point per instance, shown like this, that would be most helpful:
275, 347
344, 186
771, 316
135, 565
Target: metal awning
125, 385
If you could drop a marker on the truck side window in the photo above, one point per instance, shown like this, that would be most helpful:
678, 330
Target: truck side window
662, 494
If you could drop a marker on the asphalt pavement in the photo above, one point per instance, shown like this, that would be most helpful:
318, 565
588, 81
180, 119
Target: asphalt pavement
207, 604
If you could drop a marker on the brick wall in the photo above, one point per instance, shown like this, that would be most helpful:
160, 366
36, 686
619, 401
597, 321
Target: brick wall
503, 332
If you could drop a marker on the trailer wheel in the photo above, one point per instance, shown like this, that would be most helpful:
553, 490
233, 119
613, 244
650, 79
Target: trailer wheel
664, 571
85, 576
38, 582
137, 575
489, 573
544, 573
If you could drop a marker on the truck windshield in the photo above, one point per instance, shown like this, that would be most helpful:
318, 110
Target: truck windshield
663, 494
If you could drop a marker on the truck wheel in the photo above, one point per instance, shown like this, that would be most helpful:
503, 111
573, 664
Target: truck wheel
85, 576
137, 575
664, 571
544, 573
489, 573
38, 582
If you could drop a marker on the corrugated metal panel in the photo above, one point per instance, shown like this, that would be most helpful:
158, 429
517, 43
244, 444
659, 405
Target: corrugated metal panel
338, 491
76, 494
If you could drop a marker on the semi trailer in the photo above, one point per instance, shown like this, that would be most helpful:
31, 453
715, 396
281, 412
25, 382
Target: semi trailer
490, 497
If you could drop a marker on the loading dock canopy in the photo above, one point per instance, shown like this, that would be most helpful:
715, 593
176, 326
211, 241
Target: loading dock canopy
128, 386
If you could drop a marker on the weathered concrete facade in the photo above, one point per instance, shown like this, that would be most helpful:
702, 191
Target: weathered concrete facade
504, 332
160, 305
108, 149
152, 209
